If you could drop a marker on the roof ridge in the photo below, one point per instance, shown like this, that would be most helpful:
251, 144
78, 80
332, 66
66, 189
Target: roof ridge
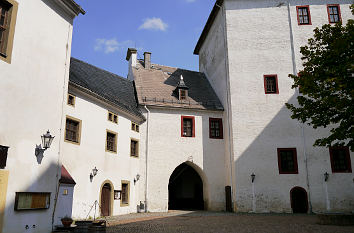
125, 79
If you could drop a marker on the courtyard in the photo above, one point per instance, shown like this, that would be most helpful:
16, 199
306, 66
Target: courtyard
203, 221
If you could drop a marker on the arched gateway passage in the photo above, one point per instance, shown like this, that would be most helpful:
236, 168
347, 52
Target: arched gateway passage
185, 189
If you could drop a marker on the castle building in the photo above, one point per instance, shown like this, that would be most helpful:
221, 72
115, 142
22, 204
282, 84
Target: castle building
163, 138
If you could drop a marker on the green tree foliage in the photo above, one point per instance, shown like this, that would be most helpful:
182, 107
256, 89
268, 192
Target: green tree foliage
327, 84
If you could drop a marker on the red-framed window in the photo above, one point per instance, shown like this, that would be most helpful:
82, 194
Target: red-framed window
215, 128
187, 126
271, 84
303, 15
334, 14
287, 161
340, 159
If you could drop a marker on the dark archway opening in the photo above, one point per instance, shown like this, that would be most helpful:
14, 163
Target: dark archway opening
299, 202
106, 200
185, 189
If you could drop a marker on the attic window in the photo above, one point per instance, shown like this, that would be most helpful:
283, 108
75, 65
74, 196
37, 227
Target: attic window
182, 94
182, 89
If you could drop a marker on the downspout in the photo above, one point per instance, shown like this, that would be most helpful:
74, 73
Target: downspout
146, 156
297, 94
228, 102
61, 127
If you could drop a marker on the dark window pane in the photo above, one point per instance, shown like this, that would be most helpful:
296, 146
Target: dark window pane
340, 162
111, 142
271, 84
72, 128
187, 127
287, 161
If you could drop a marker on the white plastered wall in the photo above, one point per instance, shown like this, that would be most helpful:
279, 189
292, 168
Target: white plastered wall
32, 89
79, 160
259, 43
167, 150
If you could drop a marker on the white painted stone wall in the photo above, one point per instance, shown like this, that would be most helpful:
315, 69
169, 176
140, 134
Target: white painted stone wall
32, 89
259, 43
79, 160
167, 150
64, 203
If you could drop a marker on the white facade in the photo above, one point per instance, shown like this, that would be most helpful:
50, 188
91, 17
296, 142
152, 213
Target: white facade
113, 168
167, 150
263, 37
33, 86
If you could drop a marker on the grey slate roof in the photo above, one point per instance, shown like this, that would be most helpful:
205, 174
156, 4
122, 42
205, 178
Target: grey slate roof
111, 87
156, 87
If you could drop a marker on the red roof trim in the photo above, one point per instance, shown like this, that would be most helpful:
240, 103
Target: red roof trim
66, 177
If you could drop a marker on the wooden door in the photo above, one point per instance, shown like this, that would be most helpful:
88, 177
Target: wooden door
106, 200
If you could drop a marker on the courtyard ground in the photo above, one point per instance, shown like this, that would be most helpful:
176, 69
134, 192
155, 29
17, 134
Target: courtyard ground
203, 221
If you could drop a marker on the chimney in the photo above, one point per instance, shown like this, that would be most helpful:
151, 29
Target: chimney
132, 56
147, 60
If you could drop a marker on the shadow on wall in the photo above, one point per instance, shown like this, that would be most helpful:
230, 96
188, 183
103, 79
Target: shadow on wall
34, 220
255, 151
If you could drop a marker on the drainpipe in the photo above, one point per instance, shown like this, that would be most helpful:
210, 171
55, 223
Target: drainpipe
61, 126
146, 156
228, 101
297, 94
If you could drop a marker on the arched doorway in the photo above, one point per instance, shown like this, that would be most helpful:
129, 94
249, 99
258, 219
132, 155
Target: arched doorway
185, 189
106, 194
299, 202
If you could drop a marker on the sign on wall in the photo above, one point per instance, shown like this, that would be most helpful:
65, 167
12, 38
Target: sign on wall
117, 194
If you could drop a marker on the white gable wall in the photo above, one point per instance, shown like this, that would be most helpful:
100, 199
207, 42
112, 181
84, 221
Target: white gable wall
259, 43
32, 89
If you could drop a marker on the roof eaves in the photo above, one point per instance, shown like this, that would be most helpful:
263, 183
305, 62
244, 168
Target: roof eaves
97, 96
208, 25
74, 7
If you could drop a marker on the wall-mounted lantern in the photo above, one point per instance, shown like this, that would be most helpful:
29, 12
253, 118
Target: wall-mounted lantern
253, 176
136, 178
93, 173
326, 176
47, 140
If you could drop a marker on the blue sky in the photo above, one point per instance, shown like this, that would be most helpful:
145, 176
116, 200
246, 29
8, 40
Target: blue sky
169, 29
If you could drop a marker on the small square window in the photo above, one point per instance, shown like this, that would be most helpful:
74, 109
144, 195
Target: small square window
72, 130
340, 159
135, 127
334, 15
303, 15
287, 161
111, 142
215, 128
271, 84
134, 148
65, 192
71, 100
187, 126
112, 117
124, 201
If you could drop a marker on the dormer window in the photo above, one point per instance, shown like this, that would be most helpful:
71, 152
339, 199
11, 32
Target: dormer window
182, 89
182, 94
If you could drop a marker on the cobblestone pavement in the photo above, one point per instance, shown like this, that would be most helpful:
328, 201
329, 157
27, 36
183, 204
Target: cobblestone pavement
203, 221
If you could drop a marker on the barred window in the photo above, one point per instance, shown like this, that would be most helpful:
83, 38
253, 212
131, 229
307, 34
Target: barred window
111, 142
125, 193
215, 128
72, 130
287, 161
271, 84
340, 159
134, 148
